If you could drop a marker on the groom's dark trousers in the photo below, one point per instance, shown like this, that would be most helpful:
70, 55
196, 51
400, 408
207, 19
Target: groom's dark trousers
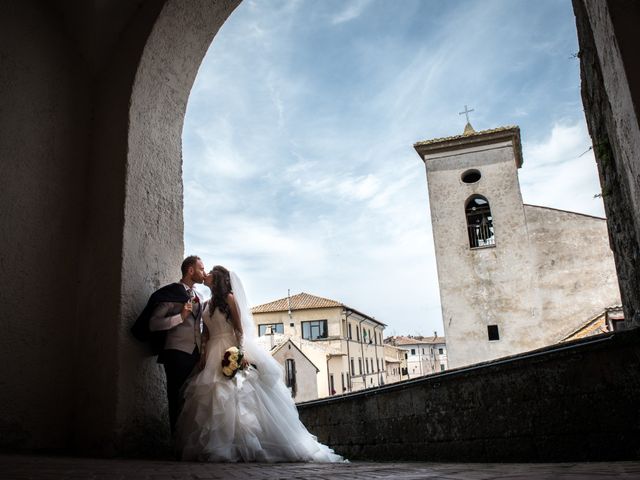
175, 340
177, 367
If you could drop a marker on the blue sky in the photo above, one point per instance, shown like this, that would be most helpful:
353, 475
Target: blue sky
299, 170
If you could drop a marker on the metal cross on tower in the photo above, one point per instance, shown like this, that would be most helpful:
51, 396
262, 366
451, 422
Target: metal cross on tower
466, 112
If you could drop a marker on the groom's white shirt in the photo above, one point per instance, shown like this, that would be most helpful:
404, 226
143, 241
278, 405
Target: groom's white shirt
183, 335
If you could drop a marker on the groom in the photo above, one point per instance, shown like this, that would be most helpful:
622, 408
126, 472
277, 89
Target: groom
172, 322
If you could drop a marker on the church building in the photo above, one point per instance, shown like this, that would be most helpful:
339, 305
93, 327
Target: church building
513, 277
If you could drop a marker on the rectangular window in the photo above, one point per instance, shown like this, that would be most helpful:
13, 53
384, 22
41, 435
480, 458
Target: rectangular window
441, 351
353, 368
413, 351
359, 366
423, 351
358, 333
442, 367
275, 328
493, 332
332, 387
342, 382
350, 337
314, 330
377, 364
366, 363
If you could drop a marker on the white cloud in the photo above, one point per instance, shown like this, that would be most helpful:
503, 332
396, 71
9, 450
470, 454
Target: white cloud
299, 167
352, 10
561, 172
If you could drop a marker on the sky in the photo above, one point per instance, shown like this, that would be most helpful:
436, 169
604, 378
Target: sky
299, 168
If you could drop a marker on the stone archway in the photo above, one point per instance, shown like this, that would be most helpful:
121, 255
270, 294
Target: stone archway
152, 218
153, 208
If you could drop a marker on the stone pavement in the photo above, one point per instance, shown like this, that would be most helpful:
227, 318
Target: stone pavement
33, 467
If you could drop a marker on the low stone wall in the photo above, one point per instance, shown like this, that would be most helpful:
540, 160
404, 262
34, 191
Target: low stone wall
577, 401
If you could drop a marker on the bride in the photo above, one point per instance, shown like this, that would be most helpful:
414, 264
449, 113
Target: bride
250, 417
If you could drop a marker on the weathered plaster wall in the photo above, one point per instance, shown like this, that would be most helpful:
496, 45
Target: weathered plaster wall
306, 373
575, 276
44, 115
485, 286
610, 66
577, 402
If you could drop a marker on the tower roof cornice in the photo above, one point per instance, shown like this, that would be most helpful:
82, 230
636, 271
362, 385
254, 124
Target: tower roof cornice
471, 139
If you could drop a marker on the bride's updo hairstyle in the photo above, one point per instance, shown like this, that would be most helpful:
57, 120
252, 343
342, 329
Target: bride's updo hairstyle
221, 288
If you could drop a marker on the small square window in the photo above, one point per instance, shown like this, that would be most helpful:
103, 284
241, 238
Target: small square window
493, 332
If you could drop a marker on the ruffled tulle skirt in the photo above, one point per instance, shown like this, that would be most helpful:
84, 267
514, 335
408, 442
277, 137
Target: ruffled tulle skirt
250, 418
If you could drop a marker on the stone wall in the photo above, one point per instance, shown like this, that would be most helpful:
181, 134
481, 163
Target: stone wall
575, 402
573, 268
610, 66
44, 136
92, 101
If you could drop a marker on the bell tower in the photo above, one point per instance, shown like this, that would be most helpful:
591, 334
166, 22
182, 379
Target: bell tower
481, 242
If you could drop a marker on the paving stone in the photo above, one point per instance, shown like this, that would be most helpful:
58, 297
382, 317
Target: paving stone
35, 467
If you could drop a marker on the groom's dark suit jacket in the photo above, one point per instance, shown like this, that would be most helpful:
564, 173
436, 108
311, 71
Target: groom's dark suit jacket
175, 293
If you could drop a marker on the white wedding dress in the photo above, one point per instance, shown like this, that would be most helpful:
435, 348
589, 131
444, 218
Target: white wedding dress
251, 417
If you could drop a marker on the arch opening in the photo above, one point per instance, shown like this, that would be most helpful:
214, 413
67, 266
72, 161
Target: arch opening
479, 222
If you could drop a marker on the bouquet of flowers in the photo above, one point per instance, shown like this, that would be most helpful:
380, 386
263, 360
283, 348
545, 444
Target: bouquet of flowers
232, 361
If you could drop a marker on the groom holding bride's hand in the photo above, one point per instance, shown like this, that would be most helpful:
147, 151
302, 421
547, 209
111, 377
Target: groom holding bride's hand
172, 321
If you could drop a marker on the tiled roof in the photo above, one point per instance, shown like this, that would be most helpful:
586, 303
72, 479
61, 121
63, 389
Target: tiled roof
301, 301
469, 138
596, 324
305, 301
399, 340
467, 135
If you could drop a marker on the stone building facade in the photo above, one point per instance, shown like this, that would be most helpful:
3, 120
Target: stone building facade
395, 363
346, 345
299, 372
513, 277
422, 355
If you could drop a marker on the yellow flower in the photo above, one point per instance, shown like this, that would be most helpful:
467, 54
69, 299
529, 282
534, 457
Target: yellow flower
233, 365
227, 371
233, 357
